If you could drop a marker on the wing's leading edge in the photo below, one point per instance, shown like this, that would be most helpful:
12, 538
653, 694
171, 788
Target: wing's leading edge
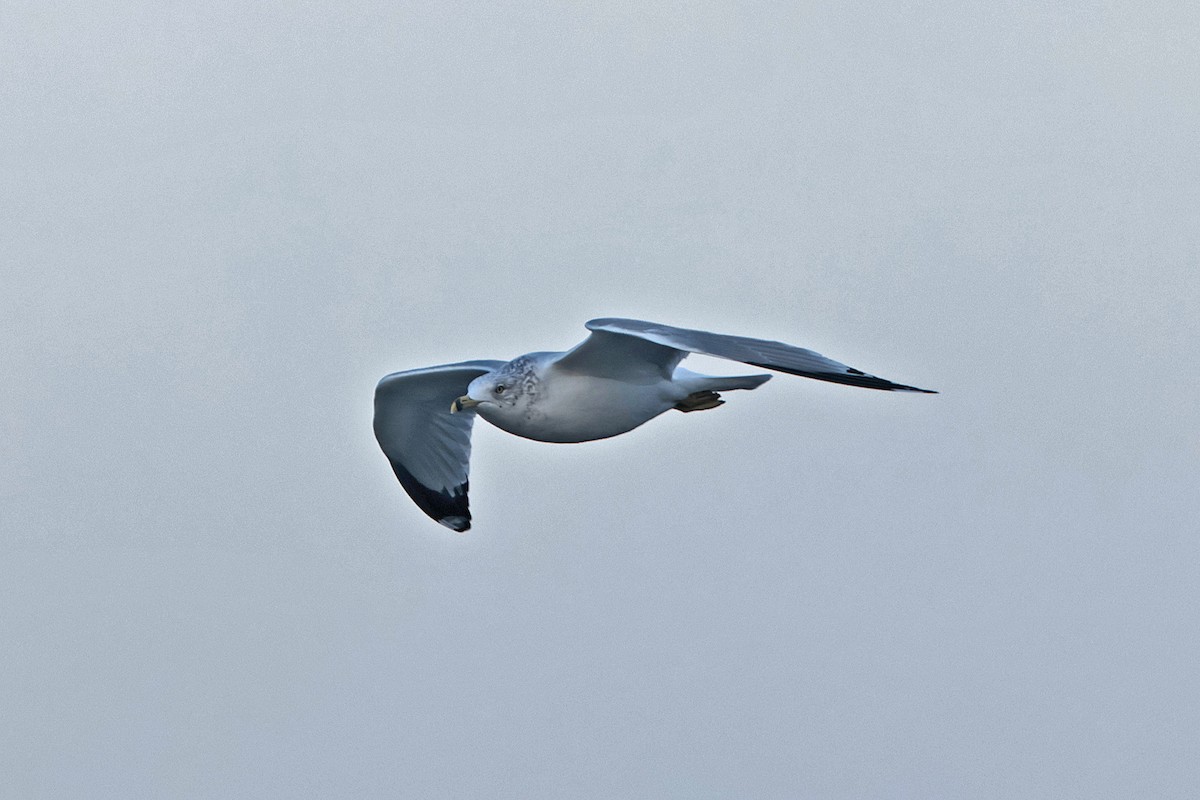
430, 448
756, 352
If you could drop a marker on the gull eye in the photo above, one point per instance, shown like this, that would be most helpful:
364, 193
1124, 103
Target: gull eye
499, 388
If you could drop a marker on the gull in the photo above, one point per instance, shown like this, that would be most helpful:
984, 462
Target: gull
624, 374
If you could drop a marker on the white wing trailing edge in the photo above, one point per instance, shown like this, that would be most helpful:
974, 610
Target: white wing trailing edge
755, 352
430, 448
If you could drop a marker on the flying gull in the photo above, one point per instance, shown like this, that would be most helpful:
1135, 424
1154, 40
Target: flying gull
624, 374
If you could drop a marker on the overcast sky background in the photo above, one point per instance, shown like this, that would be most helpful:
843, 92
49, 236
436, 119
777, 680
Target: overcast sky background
223, 222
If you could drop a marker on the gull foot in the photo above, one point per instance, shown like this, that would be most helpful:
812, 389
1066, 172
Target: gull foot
699, 401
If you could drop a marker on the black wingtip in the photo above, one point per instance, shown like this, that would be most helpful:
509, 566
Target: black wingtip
851, 377
448, 506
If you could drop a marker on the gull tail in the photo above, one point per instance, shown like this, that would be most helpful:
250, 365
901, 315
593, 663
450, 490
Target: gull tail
695, 382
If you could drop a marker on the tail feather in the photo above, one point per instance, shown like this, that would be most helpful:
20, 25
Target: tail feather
695, 382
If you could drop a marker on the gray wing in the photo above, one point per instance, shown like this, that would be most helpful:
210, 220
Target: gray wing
430, 448
657, 347
620, 356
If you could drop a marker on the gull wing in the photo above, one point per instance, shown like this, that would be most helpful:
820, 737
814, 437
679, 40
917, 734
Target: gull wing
430, 448
622, 356
659, 348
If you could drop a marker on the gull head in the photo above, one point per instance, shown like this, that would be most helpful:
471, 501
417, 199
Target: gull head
505, 390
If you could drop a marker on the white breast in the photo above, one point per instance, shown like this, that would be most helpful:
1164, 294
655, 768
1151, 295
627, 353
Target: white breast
580, 408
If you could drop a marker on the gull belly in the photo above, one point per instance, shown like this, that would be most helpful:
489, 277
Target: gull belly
581, 408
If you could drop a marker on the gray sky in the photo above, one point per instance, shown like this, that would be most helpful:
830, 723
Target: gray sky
223, 223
